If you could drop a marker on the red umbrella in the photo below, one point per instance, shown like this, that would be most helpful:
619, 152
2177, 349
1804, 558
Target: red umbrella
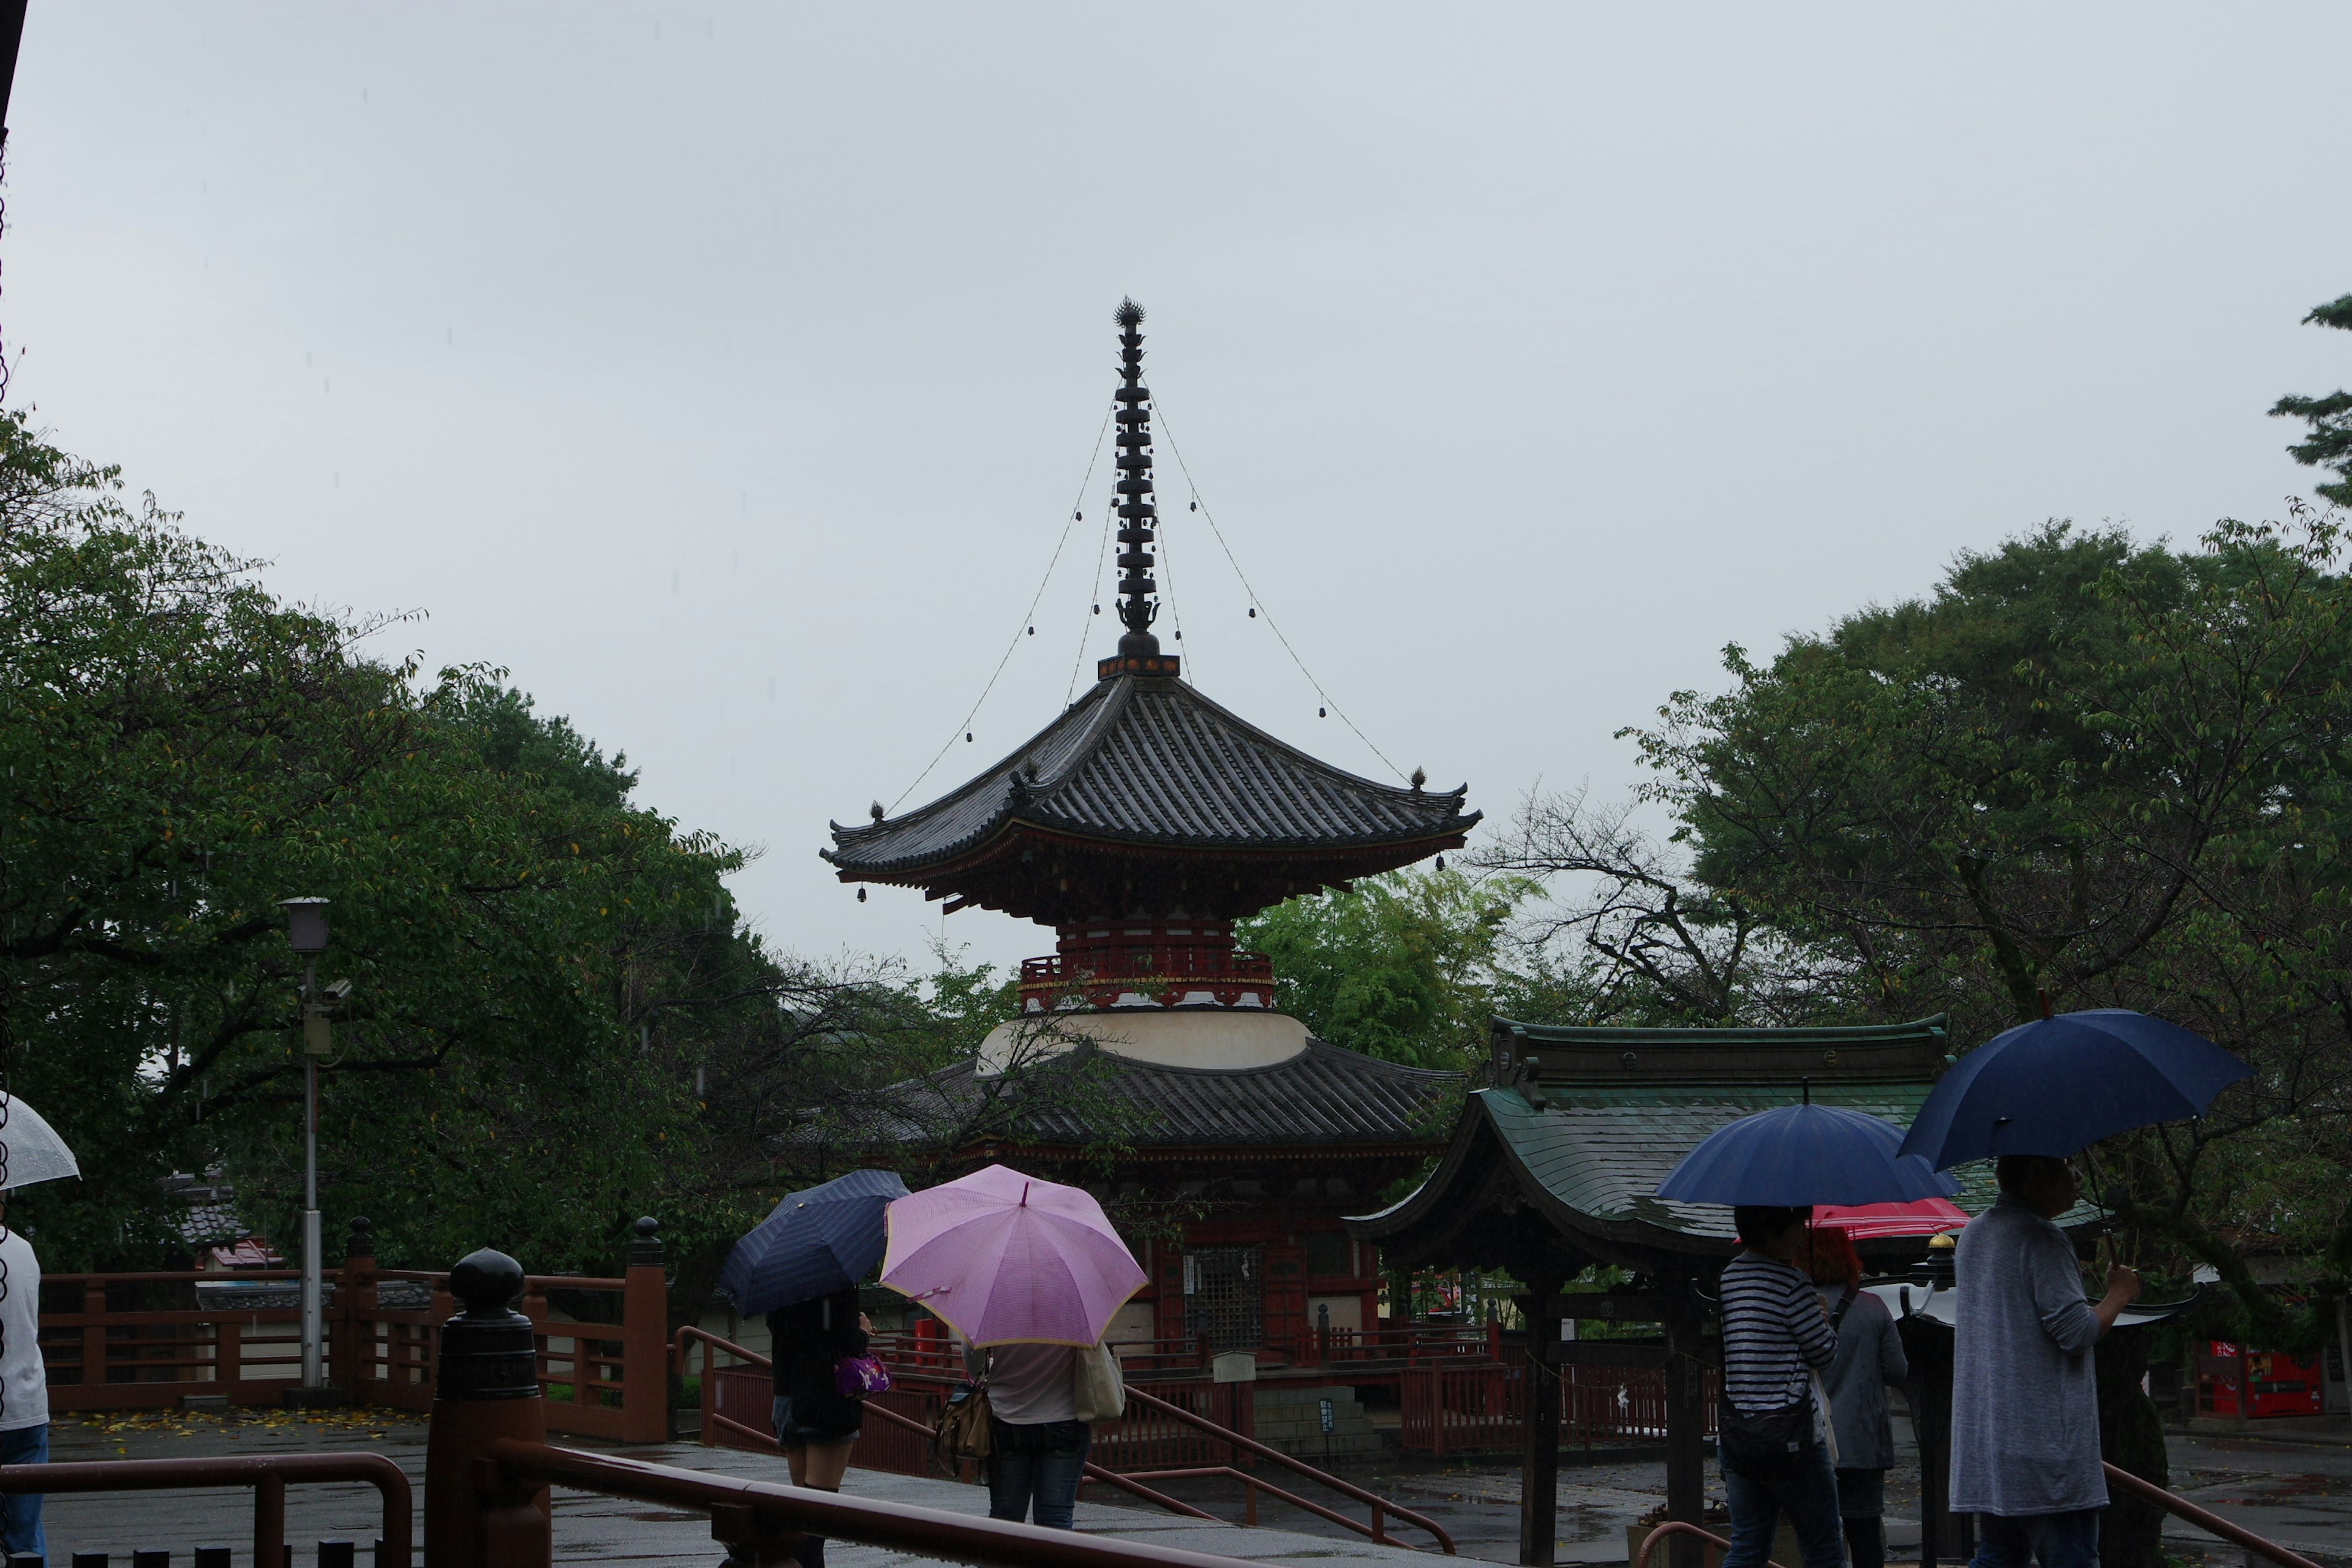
1877, 1222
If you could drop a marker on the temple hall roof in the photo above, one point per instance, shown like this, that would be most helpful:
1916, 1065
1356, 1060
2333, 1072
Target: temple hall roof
1323, 1096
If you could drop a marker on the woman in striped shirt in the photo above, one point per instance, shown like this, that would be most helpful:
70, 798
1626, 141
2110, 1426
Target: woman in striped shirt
1772, 1447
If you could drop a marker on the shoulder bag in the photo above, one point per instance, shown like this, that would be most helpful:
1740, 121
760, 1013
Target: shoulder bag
962, 1432
1101, 1390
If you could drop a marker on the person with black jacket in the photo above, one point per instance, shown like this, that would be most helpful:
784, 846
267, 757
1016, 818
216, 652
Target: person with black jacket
815, 1422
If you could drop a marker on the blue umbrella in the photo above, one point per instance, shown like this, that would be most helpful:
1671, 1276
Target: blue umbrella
815, 1243
1798, 1155
2059, 1085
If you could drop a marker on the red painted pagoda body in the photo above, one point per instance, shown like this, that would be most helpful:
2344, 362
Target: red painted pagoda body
1140, 824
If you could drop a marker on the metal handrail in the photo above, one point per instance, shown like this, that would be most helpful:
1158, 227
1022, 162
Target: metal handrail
1381, 1508
760, 1509
268, 1474
2213, 1523
1677, 1527
2179, 1507
766, 1442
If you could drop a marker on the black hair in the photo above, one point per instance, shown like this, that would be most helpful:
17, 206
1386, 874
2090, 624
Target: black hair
2013, 1170
1759, 1223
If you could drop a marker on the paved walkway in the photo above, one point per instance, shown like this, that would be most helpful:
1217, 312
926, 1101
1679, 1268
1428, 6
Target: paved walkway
2298, 1494
588, 1528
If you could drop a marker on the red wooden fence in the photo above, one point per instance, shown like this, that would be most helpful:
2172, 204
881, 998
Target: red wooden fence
131, 1342
1465, 1409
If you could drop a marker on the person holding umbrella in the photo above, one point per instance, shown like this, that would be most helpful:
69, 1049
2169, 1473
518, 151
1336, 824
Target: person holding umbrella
1869, 1358
1774, 1442
801, 1267
1029, 1273
2025, 1396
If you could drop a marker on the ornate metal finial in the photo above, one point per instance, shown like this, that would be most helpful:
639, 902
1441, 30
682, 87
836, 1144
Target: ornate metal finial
1138, 608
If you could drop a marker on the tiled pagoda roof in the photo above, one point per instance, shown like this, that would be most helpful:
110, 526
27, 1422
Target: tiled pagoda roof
1146, 763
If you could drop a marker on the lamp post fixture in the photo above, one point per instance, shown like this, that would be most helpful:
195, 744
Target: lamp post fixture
306, 932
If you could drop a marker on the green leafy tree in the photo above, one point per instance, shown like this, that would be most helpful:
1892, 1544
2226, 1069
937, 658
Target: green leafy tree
556, 1019
1408, 966
2329, 444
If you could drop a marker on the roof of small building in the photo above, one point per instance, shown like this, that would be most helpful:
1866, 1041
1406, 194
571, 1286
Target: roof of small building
1149, 761
1326, 1095
1590, 1121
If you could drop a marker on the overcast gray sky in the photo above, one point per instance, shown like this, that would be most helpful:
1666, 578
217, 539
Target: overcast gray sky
728, 373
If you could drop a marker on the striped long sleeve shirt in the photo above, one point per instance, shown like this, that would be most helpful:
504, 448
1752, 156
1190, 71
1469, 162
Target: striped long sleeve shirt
1773, 1333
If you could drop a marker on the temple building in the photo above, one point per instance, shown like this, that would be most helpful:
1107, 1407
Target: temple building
1138, 826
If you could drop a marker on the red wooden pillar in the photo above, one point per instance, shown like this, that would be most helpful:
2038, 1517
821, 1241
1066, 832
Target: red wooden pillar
93, 1334
645, 1341
486, 1388
350, 1333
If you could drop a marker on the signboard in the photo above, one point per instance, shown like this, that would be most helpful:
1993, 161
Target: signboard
1331, 1417
1235, 1366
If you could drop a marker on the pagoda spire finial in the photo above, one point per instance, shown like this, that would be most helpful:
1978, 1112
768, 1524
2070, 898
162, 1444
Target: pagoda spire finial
1138, 605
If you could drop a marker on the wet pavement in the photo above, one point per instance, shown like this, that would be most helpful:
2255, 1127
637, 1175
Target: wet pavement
2297, 1493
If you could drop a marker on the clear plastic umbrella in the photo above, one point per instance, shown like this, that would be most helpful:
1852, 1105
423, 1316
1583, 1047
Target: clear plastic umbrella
35, 1152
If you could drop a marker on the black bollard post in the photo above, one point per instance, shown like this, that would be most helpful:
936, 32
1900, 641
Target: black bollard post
486, 1388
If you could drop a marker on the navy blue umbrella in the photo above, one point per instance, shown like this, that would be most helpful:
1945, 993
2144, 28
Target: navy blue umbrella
815, 1243
1798, 1155
2059, 1085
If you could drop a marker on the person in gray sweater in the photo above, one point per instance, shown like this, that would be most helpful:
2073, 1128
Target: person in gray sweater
1869, 1357
2025, 1396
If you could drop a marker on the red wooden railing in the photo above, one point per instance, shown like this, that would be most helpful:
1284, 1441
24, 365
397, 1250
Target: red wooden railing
605, 1378
1475, 1407
1193, 1438
1164, 971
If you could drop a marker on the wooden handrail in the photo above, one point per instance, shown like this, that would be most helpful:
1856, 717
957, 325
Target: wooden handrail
765, 1512
1381, 1508
268, 1474
2211, 1523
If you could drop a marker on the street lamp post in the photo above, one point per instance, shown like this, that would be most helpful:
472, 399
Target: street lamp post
306, 930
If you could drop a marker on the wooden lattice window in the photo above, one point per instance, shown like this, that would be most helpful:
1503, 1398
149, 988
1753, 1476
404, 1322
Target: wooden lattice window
1225, 1296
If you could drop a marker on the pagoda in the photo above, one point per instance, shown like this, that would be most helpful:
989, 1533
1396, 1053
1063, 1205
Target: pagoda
1140, 824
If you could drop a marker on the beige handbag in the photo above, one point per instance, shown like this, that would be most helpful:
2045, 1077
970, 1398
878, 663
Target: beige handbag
965, 1429
1101, 1390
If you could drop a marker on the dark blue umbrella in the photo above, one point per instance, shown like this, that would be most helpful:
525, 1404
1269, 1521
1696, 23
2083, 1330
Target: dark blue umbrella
1798, 1155
2059, 1085
815, 1243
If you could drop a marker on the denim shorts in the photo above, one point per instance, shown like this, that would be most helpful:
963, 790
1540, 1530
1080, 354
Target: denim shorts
793, 1433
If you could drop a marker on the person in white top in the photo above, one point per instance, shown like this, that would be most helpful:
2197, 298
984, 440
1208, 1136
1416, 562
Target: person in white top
1037, 1444
24, 1388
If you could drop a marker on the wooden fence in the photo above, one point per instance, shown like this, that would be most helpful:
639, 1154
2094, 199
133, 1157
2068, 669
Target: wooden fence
132, 1341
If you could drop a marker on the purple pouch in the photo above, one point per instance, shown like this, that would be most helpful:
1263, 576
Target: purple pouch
855, 1376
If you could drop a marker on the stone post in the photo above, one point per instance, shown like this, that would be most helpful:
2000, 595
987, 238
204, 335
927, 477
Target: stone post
486, 1388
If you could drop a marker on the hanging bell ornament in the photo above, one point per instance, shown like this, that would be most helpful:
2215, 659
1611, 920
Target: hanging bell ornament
861, 895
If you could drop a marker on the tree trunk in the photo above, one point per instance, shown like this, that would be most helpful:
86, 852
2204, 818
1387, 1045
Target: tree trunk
2131, 1436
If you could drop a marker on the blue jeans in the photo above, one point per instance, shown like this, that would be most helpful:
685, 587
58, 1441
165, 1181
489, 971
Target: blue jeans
2056, 1539
20, 1516
1041, 1463
1803, 1487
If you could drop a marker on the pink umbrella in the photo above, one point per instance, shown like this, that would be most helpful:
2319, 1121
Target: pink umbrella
1870, 1222
1008, 1260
